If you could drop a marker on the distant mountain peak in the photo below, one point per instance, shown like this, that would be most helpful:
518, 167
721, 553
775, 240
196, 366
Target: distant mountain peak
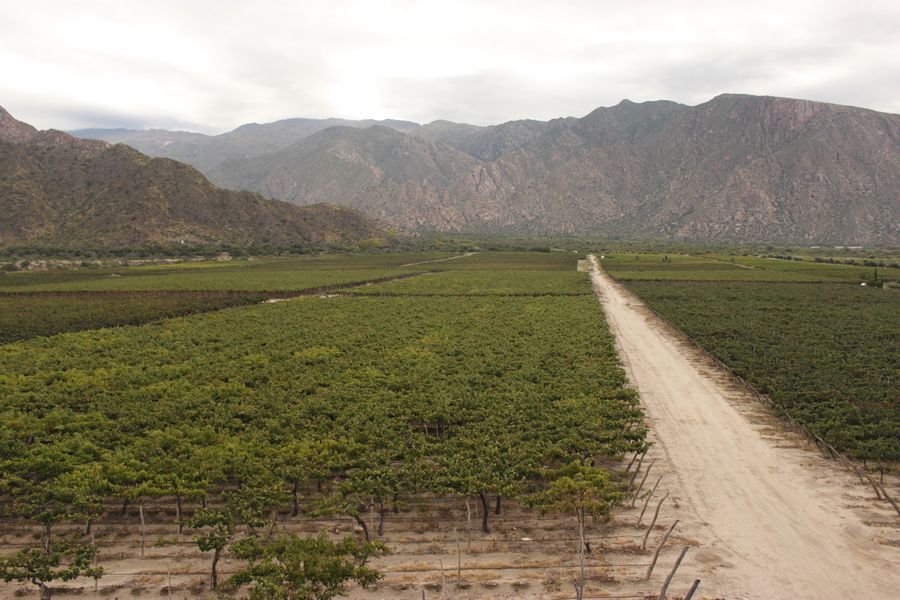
13, 130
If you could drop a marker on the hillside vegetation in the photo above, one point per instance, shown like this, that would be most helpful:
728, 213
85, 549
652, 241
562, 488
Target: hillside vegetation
62, 192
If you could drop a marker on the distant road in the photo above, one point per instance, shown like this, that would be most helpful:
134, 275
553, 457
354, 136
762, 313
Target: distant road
436, 260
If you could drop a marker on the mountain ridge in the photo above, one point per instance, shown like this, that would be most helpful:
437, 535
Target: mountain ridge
735, 168
60, 191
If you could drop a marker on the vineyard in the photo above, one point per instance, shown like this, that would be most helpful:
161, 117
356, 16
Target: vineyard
484, 282
225, 434
41, 303
713, 267
266, 274
823, 348
23, 317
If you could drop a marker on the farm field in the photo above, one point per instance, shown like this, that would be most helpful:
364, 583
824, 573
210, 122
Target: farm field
39, 303
264, 274
836, 271
410, 420
493, 274
23, 317
483, 282
826, 352
675, 267
452, 416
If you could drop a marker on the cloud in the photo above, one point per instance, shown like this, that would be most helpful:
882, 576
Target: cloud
212, 65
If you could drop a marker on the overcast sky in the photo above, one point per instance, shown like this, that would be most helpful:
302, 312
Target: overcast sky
211, 65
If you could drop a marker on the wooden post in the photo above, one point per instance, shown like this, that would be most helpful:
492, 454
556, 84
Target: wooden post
889, 499
143, 527
178, 513
580, 593
830, 454
96, 579
845, 461
637, 469
643, 481
633, 458
458, 559
655, 516
443, 580
854, 468
659, 549
873, 484
647, 501
665, 587
693, 589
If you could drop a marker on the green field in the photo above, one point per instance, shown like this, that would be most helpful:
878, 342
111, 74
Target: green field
493, 273
265, 274
488, 375
32, 306
516, 261
482, 282
371, 400
825, 349
23, 317
676, 267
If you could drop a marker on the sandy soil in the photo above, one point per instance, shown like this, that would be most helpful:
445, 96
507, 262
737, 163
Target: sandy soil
525, 557
773, 519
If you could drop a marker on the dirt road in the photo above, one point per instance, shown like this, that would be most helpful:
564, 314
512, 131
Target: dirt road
773, 519
437, 260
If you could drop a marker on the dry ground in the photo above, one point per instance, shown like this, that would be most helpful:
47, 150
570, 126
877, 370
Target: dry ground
525, 555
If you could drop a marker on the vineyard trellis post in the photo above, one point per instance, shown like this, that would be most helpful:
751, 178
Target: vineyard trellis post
665, 586
647, 500
659, 549
693, 589
643, 481
652, 523
458, 558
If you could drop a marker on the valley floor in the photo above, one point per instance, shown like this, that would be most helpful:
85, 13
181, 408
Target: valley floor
772, 519
761, 513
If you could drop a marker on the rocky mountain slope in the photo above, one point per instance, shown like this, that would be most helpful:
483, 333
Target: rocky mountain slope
736, 168
60, 191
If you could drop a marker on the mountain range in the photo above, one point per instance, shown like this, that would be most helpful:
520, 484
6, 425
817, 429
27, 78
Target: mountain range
64, 192
737, 168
